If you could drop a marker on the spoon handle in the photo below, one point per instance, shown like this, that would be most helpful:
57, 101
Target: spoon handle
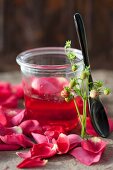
82, 40
82, 36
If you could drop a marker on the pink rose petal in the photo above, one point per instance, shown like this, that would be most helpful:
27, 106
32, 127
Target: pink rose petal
32, 163
9, 130
3, 119
6, 147
40, 138
10, 102
30, 126
17, 119
24, 155
5, 90
44, 150
9, 114
2, 130
85, 157
14, 129
74, 140
48, 85
63, 143
53, 131
94, 145
17, 139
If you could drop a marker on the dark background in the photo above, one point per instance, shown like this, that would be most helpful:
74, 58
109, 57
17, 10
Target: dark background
26, 24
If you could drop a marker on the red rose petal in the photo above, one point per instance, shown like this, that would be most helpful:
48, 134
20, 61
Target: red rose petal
53, 131
30, 126
2, 130
14, 129
18, 90
17, 119
5, 90
32, 162
17, 139
63, 143
74, 140
44, 150
6, 147
8, 131
24, 155
40, 138
3, 119
84, 156
10, 102
94, 145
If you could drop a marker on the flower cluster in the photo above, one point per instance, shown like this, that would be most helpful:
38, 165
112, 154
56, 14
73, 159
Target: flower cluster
81, 86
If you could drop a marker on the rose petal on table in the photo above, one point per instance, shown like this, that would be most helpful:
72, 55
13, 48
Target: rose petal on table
29, 126
94, 145
40, 138
44, 150
3, 119
32, 163
17, 139
63, 143
17, 119
7, 147
85, 157
2, 130
74, 140
24, 155
9, 130
18, 90
14, 129
9, 114
5, 90
10, 102
53, 131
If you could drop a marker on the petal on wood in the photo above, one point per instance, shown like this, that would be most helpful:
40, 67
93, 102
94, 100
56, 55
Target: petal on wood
32, 163
85, 157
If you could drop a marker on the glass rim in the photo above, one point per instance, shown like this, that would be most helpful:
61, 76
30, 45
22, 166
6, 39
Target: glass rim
20, 59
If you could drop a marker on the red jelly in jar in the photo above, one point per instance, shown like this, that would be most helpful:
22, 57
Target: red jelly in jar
46, 71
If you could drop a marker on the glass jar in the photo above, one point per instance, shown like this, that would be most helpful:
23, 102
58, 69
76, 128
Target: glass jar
45, 72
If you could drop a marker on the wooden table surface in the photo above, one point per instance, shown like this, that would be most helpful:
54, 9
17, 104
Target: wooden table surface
9, 160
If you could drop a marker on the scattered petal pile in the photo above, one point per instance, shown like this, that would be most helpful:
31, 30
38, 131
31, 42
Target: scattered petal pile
44, 142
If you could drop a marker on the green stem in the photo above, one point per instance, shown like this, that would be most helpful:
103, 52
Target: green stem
77, 111
83, 130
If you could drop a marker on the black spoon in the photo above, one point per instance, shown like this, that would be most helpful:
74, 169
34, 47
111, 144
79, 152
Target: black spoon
97, 112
